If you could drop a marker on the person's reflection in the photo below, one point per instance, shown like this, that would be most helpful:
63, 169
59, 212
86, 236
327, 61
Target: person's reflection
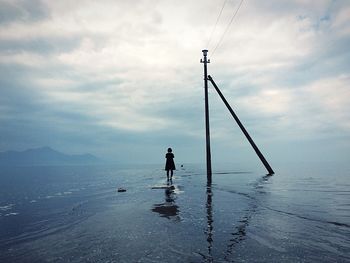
168, 209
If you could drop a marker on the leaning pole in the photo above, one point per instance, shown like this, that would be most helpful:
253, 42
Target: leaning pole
252, 143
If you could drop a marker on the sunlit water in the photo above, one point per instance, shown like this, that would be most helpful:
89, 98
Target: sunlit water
76, 214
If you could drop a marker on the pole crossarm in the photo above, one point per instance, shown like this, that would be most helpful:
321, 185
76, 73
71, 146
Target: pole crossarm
256, 149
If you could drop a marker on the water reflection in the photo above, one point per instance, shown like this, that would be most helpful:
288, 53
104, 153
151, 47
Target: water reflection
209, 230
239, 232
168, 209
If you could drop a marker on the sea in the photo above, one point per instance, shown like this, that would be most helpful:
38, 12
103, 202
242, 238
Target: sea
131, 213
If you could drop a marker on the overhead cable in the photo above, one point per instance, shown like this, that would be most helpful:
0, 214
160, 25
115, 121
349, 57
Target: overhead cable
227, 28
217, 20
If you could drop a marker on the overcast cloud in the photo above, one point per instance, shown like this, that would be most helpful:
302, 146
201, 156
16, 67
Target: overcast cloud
122, 79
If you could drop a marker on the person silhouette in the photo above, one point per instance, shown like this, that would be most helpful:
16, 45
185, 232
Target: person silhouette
169, 165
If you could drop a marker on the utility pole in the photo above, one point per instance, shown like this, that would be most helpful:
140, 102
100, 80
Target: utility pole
207, 130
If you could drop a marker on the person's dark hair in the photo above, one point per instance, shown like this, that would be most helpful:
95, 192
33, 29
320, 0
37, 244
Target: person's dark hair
169, 150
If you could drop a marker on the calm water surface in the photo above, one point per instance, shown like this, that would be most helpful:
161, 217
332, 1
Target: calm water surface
76, 214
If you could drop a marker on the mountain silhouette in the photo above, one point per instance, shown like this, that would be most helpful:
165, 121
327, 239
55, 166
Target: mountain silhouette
44, 156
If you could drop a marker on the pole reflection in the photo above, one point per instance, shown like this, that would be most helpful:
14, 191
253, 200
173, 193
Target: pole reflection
239, 232
209, 230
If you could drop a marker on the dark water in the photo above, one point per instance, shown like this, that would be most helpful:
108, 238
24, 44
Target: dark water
76, 214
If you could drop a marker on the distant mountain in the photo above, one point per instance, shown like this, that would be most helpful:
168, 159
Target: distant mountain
44, 156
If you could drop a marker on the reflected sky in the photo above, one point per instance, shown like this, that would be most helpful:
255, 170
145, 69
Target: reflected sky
242, 217
170, 210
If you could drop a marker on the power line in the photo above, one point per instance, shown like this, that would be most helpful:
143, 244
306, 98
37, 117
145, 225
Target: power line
227, 28
217, 20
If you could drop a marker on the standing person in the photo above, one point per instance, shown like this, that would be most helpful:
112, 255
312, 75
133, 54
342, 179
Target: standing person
169, 165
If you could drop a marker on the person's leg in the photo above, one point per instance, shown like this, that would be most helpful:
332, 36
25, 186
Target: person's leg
167, 174
172, 172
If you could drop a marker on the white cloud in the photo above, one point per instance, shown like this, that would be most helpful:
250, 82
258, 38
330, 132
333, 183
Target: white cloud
332, 98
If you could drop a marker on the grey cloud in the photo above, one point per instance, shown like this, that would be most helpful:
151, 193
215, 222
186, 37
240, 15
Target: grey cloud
25, 114
331, 61
23, 10
40, 45
13, 81
32, 121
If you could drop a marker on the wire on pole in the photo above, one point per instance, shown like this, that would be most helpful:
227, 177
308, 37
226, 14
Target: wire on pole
227, 27
216, 23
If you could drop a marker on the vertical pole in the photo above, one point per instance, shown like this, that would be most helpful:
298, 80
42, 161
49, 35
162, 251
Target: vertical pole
207, 130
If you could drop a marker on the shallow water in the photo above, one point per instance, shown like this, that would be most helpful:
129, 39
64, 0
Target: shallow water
76, 214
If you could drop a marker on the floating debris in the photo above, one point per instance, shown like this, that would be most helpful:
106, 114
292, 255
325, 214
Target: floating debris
120, 189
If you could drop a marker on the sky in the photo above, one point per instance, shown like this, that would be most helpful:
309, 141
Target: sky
123, 80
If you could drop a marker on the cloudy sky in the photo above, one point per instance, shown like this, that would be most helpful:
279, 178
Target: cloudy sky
122, 79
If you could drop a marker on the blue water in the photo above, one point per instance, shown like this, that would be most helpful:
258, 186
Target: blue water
76, 214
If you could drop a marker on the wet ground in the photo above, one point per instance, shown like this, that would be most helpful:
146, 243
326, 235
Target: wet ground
76, 214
